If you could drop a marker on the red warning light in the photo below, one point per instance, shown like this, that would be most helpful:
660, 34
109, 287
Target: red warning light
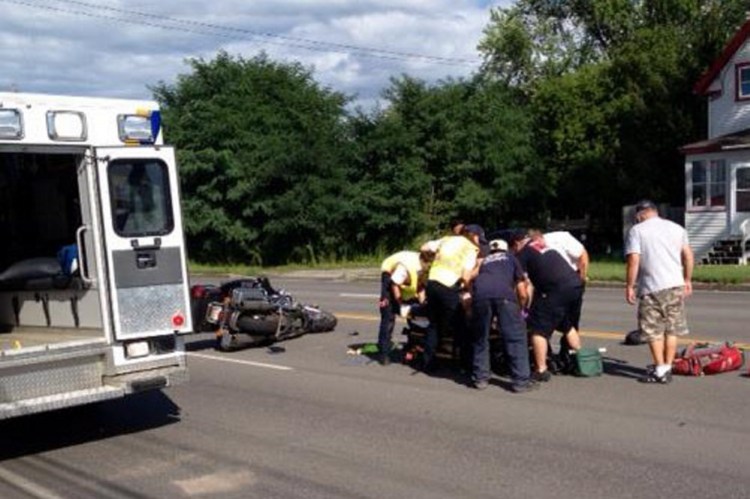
178, 320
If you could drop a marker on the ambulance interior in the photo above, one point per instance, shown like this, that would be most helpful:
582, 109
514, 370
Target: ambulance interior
43, 298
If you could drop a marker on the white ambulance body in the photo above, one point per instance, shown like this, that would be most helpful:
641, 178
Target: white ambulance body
93, 274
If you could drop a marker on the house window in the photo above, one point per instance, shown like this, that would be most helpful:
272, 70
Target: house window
742, 194
709, 184
743, 81
742, 78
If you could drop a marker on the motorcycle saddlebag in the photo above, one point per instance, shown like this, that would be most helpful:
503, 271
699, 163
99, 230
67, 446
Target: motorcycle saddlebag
252, 299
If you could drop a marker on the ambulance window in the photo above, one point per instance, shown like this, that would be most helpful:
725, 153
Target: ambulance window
139, 192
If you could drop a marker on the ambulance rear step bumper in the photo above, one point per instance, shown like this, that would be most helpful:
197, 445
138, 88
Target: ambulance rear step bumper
58, 401
113, 387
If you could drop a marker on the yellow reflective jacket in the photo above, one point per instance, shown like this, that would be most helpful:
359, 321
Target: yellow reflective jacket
451, 258
410, 260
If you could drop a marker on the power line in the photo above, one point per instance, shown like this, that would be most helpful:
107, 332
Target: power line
208, 29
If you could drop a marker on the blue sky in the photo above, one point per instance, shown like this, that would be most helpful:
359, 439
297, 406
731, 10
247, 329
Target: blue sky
118, 48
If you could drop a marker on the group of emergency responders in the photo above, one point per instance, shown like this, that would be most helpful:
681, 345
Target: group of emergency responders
467, 284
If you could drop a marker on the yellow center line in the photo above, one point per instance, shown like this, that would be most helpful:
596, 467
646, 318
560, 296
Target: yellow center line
606, 335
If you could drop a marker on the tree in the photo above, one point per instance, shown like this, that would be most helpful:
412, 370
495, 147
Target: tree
261, 154
468, 143
610, 86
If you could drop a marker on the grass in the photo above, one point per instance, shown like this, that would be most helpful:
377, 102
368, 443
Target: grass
719, 274
599, 270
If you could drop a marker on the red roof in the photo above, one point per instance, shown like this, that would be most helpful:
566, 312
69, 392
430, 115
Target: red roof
733, 46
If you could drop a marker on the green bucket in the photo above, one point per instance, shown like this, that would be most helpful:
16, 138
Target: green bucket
588, 362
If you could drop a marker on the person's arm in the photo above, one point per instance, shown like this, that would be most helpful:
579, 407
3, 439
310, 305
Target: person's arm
583, 266
470, 270
396, 290
399, 277
431, 246
522, 293
631, 274
474, 272
688, 261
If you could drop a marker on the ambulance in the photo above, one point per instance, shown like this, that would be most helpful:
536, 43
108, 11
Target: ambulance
93, 275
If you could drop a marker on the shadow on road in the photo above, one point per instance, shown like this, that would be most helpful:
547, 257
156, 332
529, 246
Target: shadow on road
36, 433
200, 344
618, 367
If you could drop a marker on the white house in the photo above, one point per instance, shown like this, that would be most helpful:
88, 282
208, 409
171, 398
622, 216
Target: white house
717, 170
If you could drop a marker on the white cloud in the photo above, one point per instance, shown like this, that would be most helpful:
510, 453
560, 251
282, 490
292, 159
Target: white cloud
119, 48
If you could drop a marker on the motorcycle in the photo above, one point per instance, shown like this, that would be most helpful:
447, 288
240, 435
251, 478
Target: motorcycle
250, 312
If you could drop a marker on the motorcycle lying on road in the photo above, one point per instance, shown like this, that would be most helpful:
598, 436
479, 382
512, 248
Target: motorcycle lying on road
250, 312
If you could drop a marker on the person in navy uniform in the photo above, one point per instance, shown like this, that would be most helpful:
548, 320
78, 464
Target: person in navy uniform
499, 290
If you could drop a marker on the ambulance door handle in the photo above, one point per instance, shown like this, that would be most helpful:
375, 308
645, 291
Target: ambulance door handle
145, 259
82, 265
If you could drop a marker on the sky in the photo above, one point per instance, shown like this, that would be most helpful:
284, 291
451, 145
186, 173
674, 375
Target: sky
119, 48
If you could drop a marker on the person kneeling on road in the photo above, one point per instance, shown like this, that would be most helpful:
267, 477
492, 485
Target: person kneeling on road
557, 297
499, 291
400, 286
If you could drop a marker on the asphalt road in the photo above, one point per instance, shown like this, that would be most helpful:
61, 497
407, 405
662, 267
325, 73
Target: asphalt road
307, 420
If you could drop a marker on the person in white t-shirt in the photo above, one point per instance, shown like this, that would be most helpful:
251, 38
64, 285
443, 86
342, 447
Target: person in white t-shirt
571, 248
660, 261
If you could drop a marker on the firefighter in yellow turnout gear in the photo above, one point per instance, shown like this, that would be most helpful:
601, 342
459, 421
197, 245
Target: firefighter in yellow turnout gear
401, 284
450, 275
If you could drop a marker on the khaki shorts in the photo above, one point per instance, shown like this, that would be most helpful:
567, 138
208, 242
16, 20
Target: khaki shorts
662, 313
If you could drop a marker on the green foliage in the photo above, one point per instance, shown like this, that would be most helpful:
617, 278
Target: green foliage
609, 82
579, 109
260, 148
472, 142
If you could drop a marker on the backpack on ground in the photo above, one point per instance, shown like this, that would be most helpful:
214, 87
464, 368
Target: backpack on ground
705, 358
588, 362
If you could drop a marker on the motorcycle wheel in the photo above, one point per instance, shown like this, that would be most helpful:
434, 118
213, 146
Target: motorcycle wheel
320, 321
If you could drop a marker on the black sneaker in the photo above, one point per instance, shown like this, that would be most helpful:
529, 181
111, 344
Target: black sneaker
651, 377
529, 386
541, 377
427, 366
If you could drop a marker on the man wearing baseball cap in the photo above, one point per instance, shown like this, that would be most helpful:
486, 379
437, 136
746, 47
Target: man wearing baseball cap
660, 261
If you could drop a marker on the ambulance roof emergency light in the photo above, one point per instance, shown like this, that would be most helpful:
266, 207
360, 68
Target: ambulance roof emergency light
66, 125
11, 124
140, 128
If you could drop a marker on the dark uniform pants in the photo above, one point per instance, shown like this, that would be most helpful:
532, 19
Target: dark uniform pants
513, 331
388, 313
446, 316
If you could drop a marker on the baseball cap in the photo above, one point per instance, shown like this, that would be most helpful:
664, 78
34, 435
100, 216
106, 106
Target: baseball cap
478, 230
645, 204
498, 245
484, 248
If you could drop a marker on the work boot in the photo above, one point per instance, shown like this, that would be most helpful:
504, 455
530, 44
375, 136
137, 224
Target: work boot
384, 358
